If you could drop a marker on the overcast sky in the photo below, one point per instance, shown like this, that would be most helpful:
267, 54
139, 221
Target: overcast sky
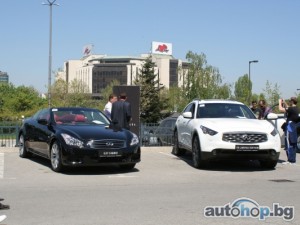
229, 32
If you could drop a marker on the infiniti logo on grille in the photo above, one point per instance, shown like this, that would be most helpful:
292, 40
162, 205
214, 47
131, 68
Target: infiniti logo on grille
109, 144
245, 137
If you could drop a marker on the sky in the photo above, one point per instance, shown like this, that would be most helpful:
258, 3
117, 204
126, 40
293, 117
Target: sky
229, 32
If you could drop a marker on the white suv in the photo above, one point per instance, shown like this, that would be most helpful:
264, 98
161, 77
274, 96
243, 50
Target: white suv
224, 129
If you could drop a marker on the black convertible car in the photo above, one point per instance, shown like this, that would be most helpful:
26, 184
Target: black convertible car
78, 137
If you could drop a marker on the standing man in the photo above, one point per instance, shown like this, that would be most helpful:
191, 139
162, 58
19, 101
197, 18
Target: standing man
290, 129
121, 112
265, 109
255, 109
107, 108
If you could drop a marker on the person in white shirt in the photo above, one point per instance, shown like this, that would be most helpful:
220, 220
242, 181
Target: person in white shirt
107, 108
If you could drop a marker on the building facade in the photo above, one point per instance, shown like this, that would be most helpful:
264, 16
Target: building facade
98, 71
4, 77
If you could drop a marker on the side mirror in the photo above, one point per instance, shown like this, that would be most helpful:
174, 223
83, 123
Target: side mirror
272, 116
43, 121
187, 115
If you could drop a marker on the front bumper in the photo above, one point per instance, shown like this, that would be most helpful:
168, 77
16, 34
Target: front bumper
226, 154
215, 148
93, 157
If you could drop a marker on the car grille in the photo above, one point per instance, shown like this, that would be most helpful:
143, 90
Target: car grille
245, 137
107, 144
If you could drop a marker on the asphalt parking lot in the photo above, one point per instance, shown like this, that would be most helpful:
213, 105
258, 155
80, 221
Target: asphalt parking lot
162, 189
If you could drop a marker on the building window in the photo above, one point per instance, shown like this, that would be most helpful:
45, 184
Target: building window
104, 75
173, 73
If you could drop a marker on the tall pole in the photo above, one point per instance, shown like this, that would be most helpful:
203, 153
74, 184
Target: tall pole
50, 4
249, 96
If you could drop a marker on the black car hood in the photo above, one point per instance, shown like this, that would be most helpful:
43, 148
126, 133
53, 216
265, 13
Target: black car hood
93, 132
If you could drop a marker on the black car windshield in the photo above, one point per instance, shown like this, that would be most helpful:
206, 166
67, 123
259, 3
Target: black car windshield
79, 116
224, 110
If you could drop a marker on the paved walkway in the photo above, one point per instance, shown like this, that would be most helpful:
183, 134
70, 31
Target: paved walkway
9, 149
158, 148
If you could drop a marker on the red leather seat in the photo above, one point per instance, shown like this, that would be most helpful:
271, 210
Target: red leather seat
57, 119
79, 118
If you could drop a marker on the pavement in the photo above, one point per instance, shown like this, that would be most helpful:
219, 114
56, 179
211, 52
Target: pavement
282, 157
8, 149
152, 148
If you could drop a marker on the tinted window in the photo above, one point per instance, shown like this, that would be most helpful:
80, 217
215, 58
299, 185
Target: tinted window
79, 116
42, 114
224, 110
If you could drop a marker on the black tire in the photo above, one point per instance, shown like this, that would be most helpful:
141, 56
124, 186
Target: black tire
268, 164
196, 152
55, 157
23, 152
298, 142
127, 166
176, 150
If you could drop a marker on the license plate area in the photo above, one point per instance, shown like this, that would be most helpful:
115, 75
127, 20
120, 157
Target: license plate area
247, 148
110, 154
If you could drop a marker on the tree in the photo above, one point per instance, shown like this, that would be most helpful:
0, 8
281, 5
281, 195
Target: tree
241, 89
272, 93
26, 99
75, 93
17, 101
174, 99
78, 93
256, 97
59, 93
224, 91
203, 80
6, 93
149, 100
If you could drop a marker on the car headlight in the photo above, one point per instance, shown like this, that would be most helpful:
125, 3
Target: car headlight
274, 132
206, 130
72, 141
134, 140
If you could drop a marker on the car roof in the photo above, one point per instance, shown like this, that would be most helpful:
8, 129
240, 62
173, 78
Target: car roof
73, 108
217, 101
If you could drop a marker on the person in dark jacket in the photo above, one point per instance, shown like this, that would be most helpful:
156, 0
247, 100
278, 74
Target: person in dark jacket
264, 109
292, 114
121, 112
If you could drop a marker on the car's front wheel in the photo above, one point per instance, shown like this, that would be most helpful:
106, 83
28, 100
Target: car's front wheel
23, 152
198, 162
55, 157
298, 141
176, 150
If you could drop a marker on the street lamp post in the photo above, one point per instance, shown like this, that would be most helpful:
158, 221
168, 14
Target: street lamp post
50, 4
249, 97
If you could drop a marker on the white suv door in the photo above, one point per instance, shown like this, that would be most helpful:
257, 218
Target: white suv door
183, 125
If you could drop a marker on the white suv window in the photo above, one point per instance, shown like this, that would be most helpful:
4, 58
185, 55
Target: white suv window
223, 110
